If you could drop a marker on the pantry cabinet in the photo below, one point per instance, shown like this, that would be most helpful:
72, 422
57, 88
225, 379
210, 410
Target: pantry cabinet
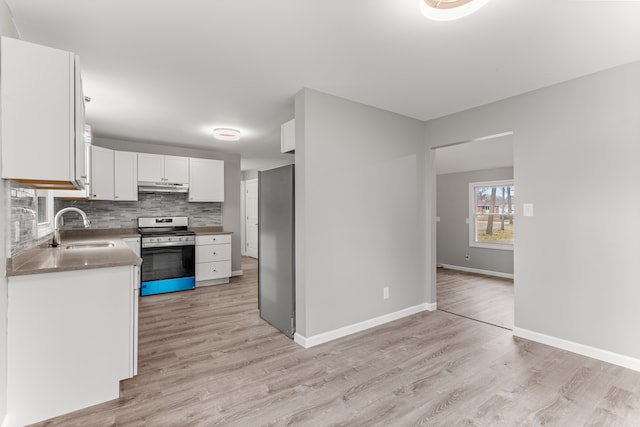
42, 108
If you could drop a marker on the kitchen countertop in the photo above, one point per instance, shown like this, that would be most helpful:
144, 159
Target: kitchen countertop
208, 231
44, 259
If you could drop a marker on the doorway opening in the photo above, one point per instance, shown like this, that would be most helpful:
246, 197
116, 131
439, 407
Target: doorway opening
475, 195
251, 218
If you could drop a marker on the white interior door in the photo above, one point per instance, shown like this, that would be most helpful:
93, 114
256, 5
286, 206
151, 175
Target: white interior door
251, 197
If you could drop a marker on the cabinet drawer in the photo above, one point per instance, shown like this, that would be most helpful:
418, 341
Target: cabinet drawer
215, 239
208, 253
213, 270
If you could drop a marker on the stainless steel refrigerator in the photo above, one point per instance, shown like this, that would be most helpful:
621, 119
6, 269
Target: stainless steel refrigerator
276, 248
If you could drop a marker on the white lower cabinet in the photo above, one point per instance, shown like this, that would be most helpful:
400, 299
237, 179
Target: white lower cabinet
71, 340
213, 259
134, 244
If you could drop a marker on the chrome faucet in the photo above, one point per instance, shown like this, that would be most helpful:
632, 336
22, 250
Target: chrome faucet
56, 228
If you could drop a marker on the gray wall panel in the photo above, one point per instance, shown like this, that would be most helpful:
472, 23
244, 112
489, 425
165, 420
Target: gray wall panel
575, 263
360, 212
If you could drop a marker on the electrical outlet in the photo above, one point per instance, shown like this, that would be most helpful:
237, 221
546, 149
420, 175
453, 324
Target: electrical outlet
467, 257
385, 293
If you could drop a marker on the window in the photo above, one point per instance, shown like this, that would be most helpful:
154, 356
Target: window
45, 212
491, 214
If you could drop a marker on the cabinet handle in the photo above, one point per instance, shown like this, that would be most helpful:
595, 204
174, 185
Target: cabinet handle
115, 197
214, 270
215, 253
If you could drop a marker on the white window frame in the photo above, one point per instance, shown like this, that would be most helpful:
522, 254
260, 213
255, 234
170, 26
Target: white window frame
45, 228
473, 213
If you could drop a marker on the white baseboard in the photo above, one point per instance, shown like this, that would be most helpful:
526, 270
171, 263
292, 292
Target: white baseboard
584, 350
477, 270
236, 273
324, 337
212, 282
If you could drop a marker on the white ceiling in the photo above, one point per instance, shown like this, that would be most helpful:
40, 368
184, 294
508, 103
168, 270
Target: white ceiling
170, 71
475, 155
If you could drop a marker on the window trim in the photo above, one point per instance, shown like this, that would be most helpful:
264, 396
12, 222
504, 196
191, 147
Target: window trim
471, 220
45, 228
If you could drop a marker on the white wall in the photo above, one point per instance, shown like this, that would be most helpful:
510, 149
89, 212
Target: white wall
576, 154
250, 174
360, 212
7, 28
231, 206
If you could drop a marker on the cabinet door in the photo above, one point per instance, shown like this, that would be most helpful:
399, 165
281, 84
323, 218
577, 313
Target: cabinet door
288, 136
85, 193
206, 180
81, 168
125, 175
101, 173
37, 107
150, 167
213, 270
209, 253
176, 169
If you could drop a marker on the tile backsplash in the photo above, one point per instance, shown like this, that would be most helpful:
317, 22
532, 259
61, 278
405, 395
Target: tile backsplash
102, 213
109, 214
23, 228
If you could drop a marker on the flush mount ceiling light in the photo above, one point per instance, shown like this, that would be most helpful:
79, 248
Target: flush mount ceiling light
226, 134
448, 10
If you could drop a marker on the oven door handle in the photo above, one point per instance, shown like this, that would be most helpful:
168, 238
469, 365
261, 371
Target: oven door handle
165, 244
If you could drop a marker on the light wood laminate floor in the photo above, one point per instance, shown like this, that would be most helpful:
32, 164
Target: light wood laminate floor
485, 298
207, 359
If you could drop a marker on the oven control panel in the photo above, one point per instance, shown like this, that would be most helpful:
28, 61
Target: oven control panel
159, 241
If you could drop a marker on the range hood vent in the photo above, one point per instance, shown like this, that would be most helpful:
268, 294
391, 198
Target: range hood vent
162, 187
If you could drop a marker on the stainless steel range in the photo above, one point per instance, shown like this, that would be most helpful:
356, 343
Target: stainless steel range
168, 255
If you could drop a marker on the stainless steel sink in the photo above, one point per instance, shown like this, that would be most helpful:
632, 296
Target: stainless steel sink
90, 245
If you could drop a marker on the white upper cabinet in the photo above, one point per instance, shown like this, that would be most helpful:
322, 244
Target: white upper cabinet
114, 174
150, 167
85, 193
81, 167
206, 180
176, 169
102, 184
288, 136
42, 110
125, 175
159, 168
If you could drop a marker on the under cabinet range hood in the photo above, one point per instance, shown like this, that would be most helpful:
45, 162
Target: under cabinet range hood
161, 187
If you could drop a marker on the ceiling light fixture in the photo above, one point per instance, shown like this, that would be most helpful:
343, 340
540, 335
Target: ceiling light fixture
448, 10
226, 134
